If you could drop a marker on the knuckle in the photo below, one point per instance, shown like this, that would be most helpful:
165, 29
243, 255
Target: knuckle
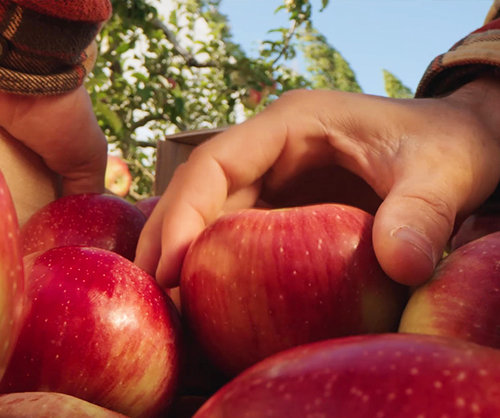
437, 209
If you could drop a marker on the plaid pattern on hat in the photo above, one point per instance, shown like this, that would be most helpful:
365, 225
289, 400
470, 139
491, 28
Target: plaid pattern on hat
474, 55
47, 45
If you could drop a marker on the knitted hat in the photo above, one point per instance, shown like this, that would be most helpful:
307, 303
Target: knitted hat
47, 46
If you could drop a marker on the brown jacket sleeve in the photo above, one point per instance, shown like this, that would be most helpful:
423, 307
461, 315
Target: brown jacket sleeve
473, 56
476, 54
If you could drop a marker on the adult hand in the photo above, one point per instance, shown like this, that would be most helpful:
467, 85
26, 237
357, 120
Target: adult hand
430, 160
64, 131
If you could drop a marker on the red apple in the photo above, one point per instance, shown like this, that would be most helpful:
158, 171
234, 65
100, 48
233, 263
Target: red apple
117, 178
259, 281
481, 223
147, 205
11, 276
98, 328
463, 297
172, 82
252, 98
50, 405
199, 376
369, 376
95, 220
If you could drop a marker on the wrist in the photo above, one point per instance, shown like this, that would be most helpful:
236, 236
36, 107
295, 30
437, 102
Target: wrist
481, 98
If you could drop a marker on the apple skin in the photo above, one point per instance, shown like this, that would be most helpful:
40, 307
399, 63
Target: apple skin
49, 405
11, 276
94, 220
147, 205
369, 376
252, 98
259, 281
117, 178
462, 299
483, 222
199, 375
98, 328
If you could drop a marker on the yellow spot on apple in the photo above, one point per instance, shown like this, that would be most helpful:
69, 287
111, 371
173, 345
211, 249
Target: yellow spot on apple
475, 408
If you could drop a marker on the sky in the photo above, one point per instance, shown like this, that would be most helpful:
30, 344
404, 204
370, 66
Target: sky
402, 36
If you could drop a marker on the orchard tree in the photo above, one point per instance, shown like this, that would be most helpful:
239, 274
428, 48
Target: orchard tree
394, 87
162, 70
170, 66
327, 68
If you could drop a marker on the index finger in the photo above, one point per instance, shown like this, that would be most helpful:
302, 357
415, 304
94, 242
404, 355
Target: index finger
199, 190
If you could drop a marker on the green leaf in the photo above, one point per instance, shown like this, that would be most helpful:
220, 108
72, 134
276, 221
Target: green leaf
140, 77
123, 48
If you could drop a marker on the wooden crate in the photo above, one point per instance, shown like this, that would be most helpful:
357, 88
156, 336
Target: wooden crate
175, 150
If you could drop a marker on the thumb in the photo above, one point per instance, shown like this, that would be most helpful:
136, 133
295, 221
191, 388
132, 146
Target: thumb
411, 229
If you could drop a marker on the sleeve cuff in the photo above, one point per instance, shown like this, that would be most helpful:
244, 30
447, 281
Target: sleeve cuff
476, 55
44, 53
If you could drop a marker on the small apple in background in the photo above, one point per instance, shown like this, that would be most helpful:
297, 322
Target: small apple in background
95, 220
252, 98
98, 328
483, 222
117, 178
258, 281
11, 276
369, 376
463, 297
172, 83
50, 405
147, 205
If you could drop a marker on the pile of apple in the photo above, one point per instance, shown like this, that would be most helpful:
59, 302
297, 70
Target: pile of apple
280, 313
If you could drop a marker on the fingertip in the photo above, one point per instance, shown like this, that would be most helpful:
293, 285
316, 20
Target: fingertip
168, 273
406, 255
176, 240
146, 256
412, 227
181, 225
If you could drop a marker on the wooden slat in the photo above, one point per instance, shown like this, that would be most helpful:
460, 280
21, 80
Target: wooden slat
175, 150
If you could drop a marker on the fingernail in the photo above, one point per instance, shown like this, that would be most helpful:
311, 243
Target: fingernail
417, 240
